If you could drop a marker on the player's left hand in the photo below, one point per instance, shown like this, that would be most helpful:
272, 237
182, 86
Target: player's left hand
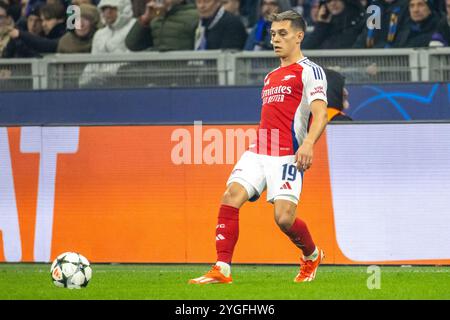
304, 156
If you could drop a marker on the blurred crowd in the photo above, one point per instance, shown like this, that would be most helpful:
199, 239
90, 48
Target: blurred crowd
32, 28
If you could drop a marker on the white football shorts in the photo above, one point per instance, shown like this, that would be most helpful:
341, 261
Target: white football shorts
256, 172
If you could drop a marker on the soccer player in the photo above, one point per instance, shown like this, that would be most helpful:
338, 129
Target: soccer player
283, 151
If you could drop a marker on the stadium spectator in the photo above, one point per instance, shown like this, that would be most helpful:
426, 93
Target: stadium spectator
26, 9
442, 35
80, 39
259, 37
337, 96
421, 25
393, 16
34, 22
338, 24
54, 25
165, 26
117, 16
217, 28
313, 15
16, 48
6, 23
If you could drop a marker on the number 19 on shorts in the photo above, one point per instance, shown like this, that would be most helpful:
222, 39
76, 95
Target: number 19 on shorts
289, 172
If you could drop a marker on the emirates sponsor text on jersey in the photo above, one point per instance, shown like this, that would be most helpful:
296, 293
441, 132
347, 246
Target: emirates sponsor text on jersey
275, 94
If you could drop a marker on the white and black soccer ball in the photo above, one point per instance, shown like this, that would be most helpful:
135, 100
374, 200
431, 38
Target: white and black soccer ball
71, 270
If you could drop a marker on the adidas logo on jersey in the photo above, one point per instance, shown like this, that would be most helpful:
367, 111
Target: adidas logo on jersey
286, 185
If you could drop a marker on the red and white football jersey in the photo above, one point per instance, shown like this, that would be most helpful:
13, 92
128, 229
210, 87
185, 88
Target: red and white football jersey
286, 107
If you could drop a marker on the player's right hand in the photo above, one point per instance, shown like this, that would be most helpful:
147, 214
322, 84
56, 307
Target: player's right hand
304, 156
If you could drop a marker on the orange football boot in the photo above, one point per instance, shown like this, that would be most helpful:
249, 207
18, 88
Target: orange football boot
308, 268
212, 276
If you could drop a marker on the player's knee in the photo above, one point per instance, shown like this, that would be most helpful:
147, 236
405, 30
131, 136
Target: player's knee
284, 221
234, 196
227, 197
284, 215
231, 198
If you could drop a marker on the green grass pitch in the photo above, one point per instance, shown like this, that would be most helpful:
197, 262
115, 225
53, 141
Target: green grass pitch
265, 282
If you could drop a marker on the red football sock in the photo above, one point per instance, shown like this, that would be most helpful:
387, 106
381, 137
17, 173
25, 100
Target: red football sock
227, 232
300, 236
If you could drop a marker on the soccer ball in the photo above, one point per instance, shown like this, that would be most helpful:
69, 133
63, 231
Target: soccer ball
71, 270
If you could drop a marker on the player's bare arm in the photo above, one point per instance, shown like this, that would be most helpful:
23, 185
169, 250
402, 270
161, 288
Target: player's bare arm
304, 155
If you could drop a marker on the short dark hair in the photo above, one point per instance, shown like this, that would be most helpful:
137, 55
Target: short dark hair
296, 19
53, 11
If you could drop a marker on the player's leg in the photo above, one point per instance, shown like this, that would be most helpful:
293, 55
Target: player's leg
235, 195
227, 228
284, 184
293, 227
227, 234
246, 182
297, 231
